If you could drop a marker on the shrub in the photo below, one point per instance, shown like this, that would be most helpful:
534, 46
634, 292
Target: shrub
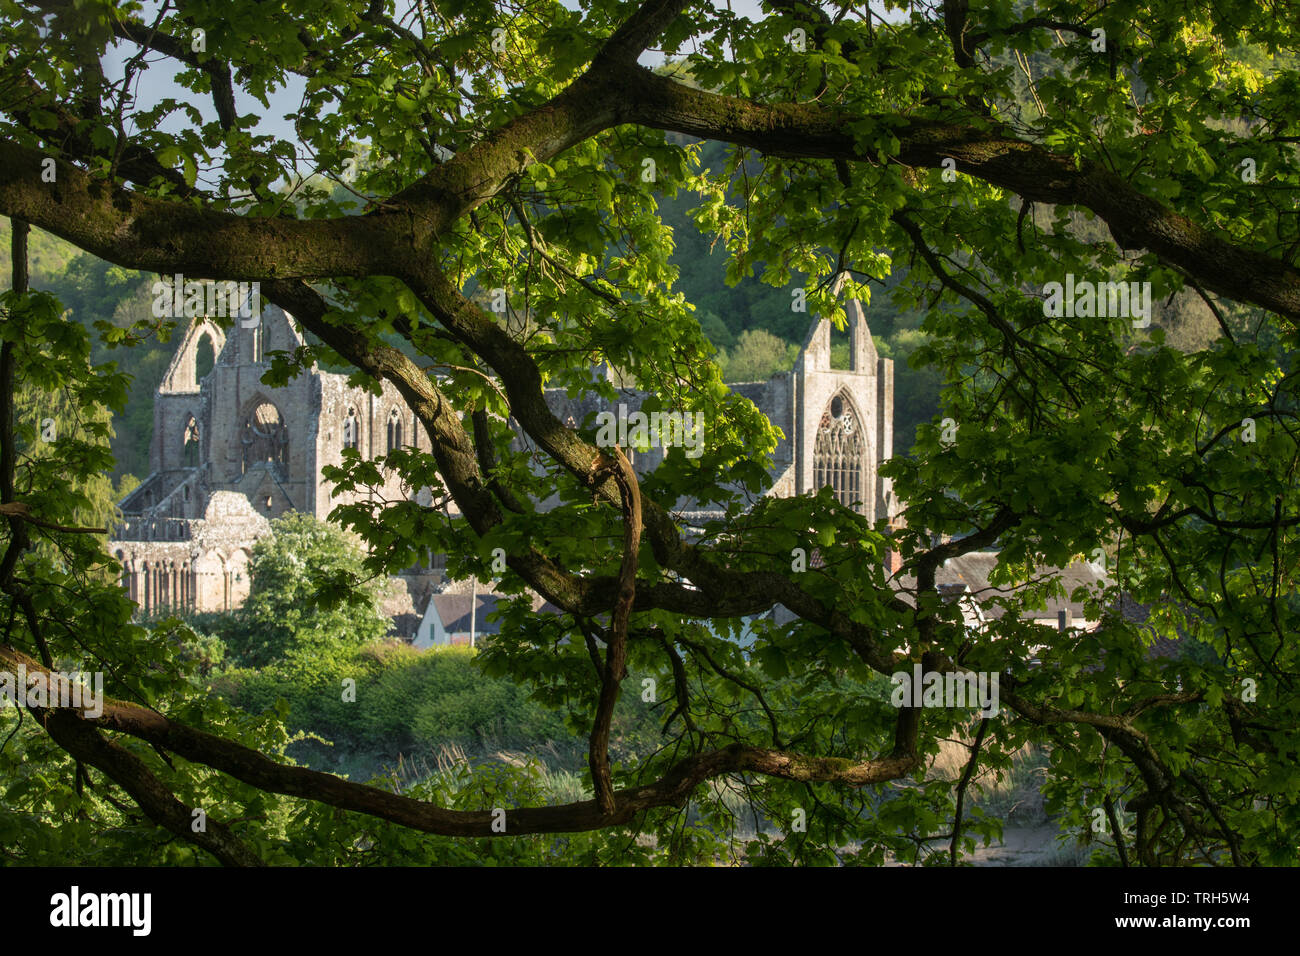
405, 699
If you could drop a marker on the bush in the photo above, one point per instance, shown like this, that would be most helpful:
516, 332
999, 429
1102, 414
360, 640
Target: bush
405, 700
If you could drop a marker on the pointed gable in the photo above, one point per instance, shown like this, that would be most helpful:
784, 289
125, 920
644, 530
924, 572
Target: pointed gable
249, 342
181, 376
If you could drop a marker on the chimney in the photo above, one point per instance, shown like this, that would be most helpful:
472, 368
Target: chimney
893, 557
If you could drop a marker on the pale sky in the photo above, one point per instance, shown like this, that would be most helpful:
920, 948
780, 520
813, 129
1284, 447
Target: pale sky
157, 84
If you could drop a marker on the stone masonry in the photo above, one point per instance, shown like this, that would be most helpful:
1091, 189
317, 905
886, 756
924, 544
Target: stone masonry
229, 453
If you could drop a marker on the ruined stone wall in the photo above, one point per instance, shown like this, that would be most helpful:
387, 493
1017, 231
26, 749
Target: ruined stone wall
248, 421
179, 403
199, 564
338, 403
188, 530
886, 506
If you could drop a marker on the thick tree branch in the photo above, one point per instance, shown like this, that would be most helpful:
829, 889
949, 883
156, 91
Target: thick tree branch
151, 234
84, 742
986, 151
615, 669
640, 30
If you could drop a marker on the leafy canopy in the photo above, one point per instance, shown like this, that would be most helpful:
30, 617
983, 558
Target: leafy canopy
466, 202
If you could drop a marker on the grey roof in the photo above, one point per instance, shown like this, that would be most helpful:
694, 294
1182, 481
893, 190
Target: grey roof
756, 392
452, 608
1166, 647
453, 612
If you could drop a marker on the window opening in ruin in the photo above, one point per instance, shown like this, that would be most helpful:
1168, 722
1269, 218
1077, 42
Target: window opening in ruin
839, 453
259, 342
394, 430
190, 448
841, 357
351, 429
265, 439
205, 356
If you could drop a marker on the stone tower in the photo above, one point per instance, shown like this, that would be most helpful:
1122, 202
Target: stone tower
229, 453
844, 425
837, 423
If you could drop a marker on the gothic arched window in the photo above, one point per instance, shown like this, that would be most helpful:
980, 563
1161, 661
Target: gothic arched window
839, 453
351, 429
190, 448
394, 430
205, 356
266, 439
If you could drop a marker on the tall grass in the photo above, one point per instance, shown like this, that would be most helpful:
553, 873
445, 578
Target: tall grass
450, 767
1014, 797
